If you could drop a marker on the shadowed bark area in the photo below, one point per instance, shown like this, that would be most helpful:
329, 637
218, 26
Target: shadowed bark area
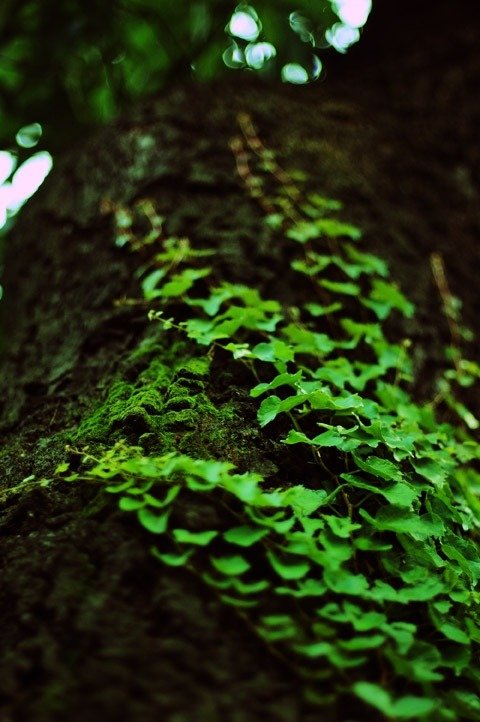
92, 625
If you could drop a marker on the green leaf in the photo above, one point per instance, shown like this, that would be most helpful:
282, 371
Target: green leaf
303, 231
239, 350
343, 582
285, 379
201, 538
249, 587
288, 569
155, 523
377, 466
171, 494
275, 350
316, 310
402, 521
431, 470
341, 526
331, 437
182, 282
273, 405
385, 296
150, 283
328, 204
277, 620
407, 707
172, 559
314, 650
277, 627
128, 503
422, 663
358, 644
375, 696
304, 501
370, 263
307, 588
235, 602
119, 487
413, 707
454, 633
424, 590
348, 289
244, 536
305, 341
297, 437
269, 408
336, 229
231, 566
399, 494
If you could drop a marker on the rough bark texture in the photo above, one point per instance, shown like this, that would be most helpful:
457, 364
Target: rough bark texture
91, 624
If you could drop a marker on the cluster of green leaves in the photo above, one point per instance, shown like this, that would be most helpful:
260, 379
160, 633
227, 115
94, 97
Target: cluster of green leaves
367, 568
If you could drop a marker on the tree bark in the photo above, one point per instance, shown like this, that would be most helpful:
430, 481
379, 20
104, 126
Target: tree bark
92, 624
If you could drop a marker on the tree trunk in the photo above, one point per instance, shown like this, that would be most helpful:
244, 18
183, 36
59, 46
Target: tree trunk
92, 623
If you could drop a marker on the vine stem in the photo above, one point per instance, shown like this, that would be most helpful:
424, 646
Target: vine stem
448, 302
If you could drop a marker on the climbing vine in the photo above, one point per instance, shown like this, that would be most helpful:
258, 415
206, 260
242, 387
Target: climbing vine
359, 565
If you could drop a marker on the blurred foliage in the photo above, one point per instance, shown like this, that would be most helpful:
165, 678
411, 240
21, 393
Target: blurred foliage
69, 65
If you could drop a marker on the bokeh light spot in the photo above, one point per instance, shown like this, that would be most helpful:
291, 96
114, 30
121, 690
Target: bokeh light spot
29, 135
353, 12
233, 57
302, 26
244, 23
7, 164
341, 36
25, 181
257, 54
294, 73
317, 68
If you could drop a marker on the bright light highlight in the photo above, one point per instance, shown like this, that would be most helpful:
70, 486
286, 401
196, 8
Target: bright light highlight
302, 26
25, 181
233, 56
353, 12
7, 164
294, 73
29, 135
341, 36
317, 68
257, 54
244, 23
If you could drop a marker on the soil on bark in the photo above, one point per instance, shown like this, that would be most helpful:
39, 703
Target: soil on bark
92, 624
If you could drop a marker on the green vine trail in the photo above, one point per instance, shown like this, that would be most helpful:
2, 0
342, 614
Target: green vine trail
358, 566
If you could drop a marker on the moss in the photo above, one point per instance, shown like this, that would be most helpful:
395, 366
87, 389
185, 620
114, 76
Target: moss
158, 375
198, 366
166, 407
125, 409
161, 393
